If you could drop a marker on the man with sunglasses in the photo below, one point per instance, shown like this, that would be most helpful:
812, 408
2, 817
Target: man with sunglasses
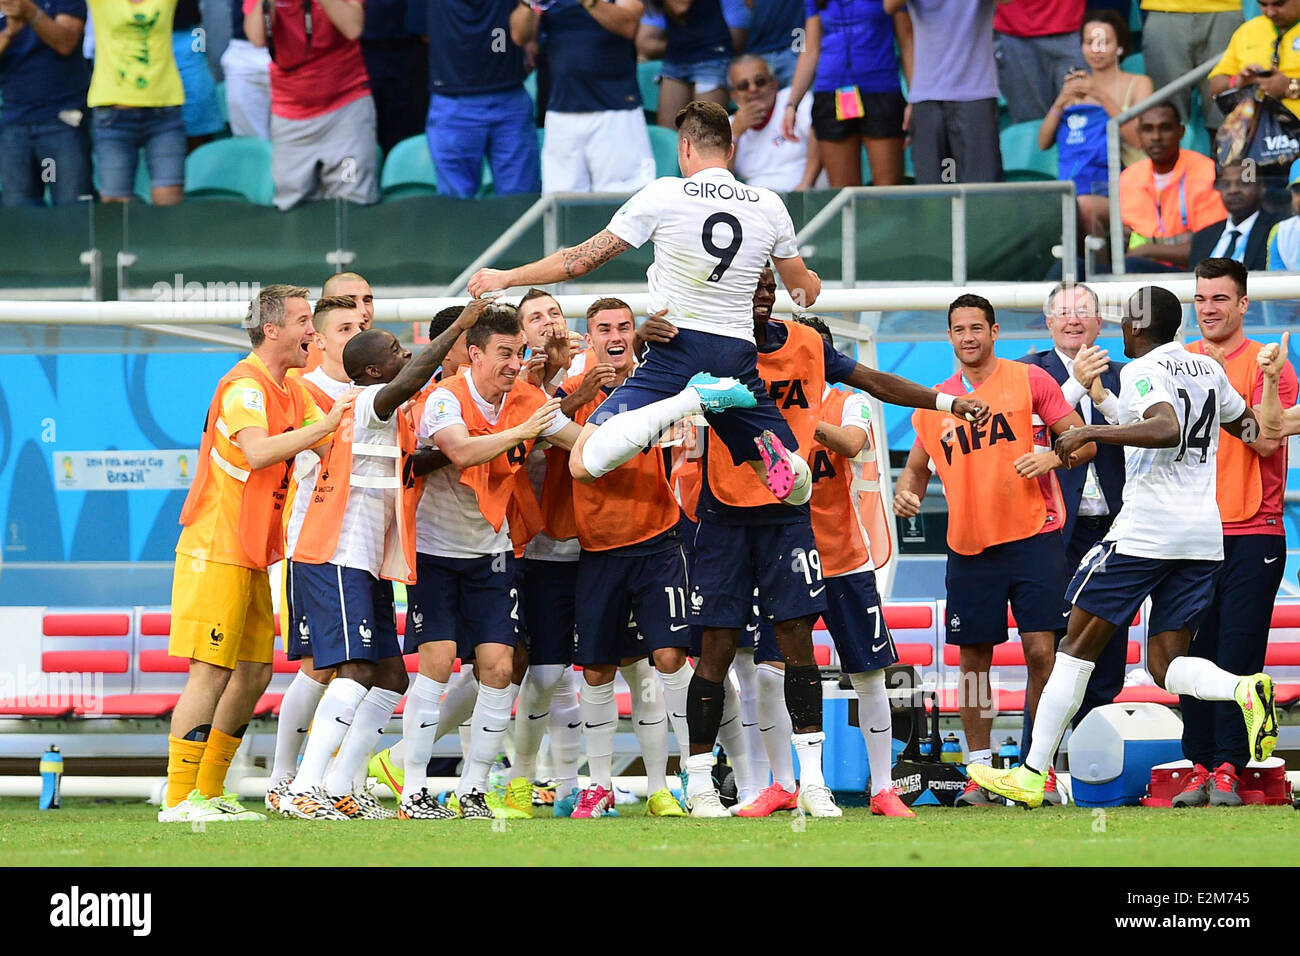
1265, 52
764, 156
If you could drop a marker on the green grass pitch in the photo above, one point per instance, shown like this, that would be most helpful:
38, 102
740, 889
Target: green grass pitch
126, 833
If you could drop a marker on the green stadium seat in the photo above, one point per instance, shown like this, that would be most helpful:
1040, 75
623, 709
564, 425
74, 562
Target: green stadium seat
1134, 63
647, 77
663, 144
221, 102
408, 171
530, 85
1021, 157
235, 168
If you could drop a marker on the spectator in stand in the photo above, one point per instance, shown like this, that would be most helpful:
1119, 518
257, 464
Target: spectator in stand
1167, 196
322, 114
849, 61
775, 33
43, 83
1243, 236
398, 67
1076, 123
479, 107
1180, 35
247, 69
764, 155
738, 15
651, 34
1265, 52
1035, 47
697, 57
1284, 238
201, 112
953, 111
137, 96
596, 139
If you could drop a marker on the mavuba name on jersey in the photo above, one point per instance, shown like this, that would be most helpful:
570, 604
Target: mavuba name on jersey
971, 437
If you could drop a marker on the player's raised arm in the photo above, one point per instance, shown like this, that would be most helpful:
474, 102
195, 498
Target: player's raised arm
802, 283
848, 442
1159, 428
263, 450
560, 266
1275, 421
466, 450
417, 372
900, 391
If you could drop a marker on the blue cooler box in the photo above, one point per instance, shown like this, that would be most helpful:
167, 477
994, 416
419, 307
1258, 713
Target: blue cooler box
1114, 748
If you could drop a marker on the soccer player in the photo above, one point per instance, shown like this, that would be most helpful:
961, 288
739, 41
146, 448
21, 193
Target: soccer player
854, 615
1167, 541
631, 568
483, 419
1004, 515
712, 237
547, 579
745, 541
355, 285
336, 320
1251, 486
222, 621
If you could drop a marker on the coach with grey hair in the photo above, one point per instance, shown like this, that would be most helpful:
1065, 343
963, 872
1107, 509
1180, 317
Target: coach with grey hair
1090, 382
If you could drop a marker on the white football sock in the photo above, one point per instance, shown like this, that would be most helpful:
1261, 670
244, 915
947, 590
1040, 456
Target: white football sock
419, 729
877, 726
490, 721
774, 725
566, 733
338, 705
802, 488
458, 704
699, 774
296, 708
1201, 678
1061, 698
531, 716
649, 721
372, 716
599, 721
624, 436
760, 769
732, 735
982, 758
808, 747
676, 689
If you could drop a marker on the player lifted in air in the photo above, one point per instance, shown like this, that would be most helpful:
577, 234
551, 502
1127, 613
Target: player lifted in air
1167, 541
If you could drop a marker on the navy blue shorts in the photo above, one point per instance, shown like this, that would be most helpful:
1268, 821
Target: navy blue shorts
471, 601
349, 614
668, 366
632, 604
1027, 573
547, 591
856, 620
298, 640
1113, 586
781, 560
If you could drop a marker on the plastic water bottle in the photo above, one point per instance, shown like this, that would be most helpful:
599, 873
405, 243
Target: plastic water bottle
499, 775
51, 778
925, 747
951, 752
1008, 754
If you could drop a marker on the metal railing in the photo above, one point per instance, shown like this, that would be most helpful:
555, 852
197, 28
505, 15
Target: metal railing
845, 205
1161, 95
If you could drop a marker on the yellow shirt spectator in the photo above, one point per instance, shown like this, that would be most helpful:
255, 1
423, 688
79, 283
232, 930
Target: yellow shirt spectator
134, 65
214, 534
1253, 45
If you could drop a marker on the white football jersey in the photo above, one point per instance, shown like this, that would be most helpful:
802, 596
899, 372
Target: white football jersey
713, 236
1170, 508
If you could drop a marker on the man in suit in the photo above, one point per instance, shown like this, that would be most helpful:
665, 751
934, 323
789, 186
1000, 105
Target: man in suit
1093, 494
1243, 236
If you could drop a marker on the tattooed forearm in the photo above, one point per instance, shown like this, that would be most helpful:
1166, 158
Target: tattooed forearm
592, 254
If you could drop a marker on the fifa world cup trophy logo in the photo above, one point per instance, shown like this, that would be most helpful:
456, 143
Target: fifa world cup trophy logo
184, 463
67, 467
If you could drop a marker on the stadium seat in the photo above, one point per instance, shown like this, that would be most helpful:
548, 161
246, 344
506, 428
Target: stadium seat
408, 170
1021, 158
222, 105
235, 168
647, 78
663, 143
130, 705
530, 87
1134, 63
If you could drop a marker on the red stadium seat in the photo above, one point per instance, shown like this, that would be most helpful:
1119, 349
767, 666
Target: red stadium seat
1285, 695
267, 704
280, 663
1010, 654
160, 662
909, 616
86, 662
86, 624
130, 705
156, 623
822, 655
1146, 695
20, 708
918, 655
1282, 654
624, 704
1286, 615
1008, 701
1134, 654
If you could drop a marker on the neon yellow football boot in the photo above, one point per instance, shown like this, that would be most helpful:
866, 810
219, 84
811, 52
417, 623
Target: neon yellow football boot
1020, 784
662, 803
518, 802
1255, 697
388, 772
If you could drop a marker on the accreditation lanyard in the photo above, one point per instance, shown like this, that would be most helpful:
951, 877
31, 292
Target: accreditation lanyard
1182, 206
